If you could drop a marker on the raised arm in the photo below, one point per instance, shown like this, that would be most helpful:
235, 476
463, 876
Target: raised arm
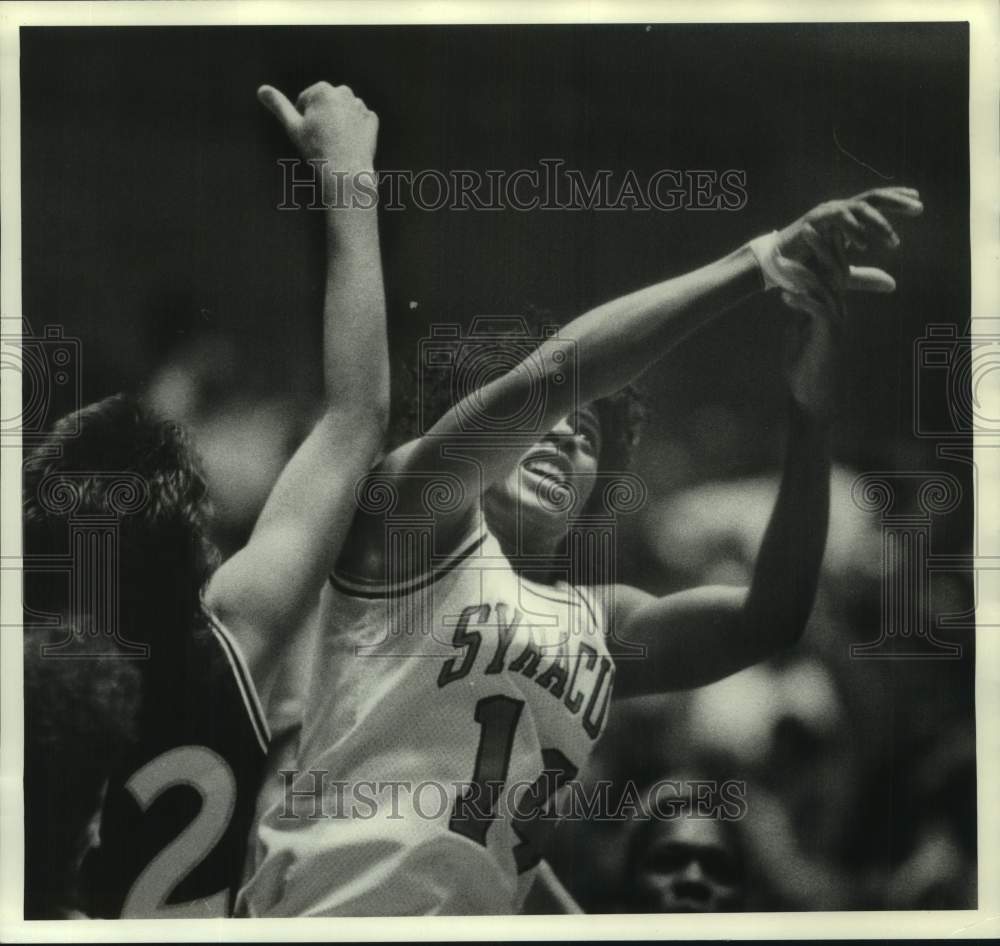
609, 346
264, 592
701, 635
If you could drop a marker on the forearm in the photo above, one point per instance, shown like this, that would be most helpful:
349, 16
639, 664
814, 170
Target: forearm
610, 345
695, 637
334, 127
355, 356
788, 563
267, 588
618, 340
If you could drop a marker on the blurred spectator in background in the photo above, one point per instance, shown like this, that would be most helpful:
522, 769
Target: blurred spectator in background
243, 430
685, 863
783, 728
934, 826
860, 774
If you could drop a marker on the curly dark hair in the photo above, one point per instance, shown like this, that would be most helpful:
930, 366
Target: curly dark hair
422, 395
80, 717
163, 557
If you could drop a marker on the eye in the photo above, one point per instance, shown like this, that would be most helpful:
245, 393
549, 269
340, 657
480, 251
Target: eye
587, 428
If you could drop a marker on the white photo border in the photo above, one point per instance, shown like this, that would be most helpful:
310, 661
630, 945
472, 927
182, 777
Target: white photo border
983, 17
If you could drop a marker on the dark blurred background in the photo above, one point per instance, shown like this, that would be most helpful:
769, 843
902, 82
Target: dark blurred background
151, 233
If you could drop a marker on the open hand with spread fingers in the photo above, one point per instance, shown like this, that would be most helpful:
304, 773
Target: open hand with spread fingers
808, 261
820, 240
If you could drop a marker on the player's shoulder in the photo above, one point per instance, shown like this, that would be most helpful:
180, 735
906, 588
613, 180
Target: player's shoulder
411, 560
411, 514
584, 606
611, 603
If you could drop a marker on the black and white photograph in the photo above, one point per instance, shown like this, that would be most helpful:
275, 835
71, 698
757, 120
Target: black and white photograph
498, 466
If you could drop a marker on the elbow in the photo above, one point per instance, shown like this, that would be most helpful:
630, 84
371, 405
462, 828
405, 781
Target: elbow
364, 425
369, 404
378, 416
787, 631
778, 606
370, 414
790, 633
775, 629
362, 398
377, 410
373, 418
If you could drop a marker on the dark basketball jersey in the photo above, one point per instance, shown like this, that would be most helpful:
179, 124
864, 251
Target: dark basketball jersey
177, 815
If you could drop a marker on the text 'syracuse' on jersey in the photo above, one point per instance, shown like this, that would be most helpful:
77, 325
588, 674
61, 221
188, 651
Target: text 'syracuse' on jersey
443, 713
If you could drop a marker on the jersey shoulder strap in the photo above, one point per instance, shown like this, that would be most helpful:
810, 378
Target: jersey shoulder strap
432, 571
241, 677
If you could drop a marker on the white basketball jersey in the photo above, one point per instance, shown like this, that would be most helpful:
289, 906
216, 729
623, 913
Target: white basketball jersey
443, 712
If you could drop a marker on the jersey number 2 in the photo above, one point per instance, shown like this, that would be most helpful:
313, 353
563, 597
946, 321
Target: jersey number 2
476, 809
209, 774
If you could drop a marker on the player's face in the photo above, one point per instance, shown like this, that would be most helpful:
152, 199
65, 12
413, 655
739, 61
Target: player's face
552, 480
689, 867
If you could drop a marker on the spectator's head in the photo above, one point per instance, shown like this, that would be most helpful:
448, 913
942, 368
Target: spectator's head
689, 862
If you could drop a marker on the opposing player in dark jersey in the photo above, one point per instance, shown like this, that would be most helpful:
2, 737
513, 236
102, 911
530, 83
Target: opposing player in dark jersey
179, 800
80, 721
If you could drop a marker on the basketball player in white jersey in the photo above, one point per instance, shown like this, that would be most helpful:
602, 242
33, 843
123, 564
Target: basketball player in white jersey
465, 665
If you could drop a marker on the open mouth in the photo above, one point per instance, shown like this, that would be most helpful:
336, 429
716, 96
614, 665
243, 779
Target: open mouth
549, 465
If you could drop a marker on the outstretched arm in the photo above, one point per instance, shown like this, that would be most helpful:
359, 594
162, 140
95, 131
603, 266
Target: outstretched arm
610, 345
701, 635
264, 592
